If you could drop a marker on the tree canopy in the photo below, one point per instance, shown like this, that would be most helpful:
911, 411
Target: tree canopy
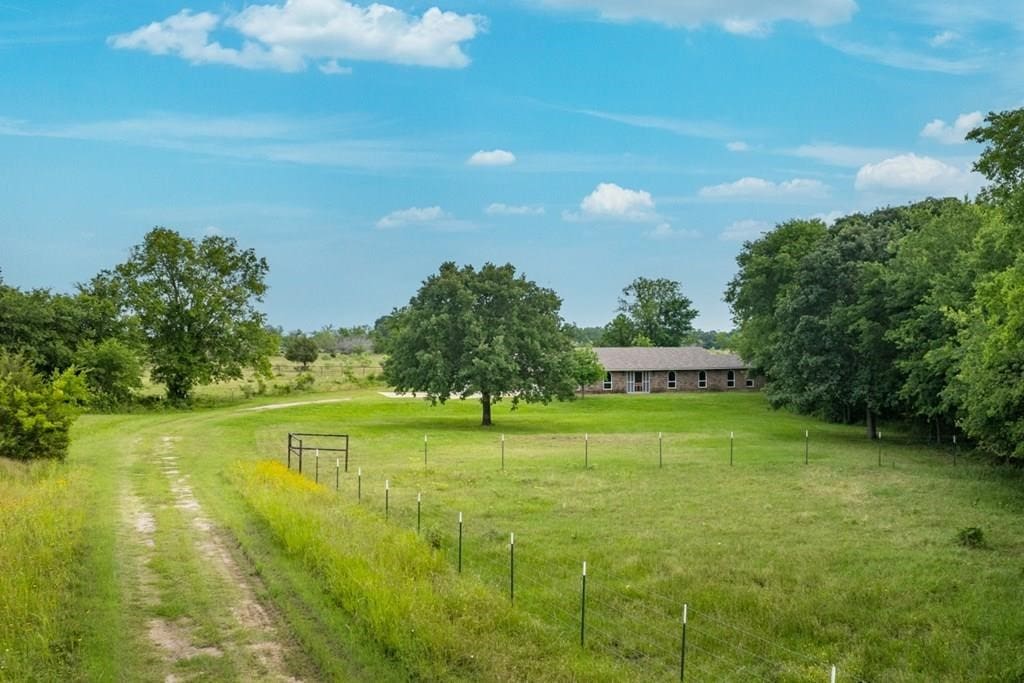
652, 312
195, 304
910, 312
485, 331
300, 348
586, 368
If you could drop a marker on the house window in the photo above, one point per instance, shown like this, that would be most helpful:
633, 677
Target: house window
702, 380
750, 383
671, 379
730, 379
607, 380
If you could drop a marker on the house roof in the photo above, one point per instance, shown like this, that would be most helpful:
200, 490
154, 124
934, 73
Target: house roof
667, 358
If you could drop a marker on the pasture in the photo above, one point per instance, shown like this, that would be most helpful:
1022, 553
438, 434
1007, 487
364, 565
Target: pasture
787, 568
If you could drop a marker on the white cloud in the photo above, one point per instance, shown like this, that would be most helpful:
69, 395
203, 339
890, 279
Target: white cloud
286, 37
332, 68
212, 230
610, 201
415, 214
737, 146
909, 172
495, 157
941, 131
747, 229
841, 155
744, 17
830, 217
499, 209
944, 38
682, 127
759, 188
665, 231
324, 141
901, 58
188, 35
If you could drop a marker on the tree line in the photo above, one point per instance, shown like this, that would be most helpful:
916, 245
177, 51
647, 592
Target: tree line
186, 310
913, 312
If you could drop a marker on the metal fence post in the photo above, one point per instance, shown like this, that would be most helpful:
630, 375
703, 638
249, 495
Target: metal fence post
583, 605
682, 648
512, 567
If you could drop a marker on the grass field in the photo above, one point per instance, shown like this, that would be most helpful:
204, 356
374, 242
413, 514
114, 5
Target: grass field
786, 568
343, 372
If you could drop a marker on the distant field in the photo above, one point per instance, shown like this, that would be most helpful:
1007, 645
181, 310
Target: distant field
341, 372
786, 568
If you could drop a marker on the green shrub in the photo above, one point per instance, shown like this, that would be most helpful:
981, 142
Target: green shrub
112, 372
303, 382
35, 414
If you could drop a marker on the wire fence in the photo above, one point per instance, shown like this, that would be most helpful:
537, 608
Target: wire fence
585, 450
643, 632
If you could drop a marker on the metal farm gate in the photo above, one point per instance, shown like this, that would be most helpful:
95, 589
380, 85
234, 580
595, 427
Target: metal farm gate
298, 443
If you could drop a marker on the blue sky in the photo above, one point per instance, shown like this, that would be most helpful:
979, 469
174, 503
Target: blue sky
585, 141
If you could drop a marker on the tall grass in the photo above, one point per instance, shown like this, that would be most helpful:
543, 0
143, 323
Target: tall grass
438, 625
40, 535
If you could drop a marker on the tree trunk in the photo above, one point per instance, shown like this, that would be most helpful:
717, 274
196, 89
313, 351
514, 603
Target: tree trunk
872, 424
485, 400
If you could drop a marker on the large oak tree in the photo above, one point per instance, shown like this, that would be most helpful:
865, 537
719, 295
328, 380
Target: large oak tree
484, 331
195, 303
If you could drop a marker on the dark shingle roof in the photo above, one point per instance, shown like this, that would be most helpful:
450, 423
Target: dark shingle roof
667, 358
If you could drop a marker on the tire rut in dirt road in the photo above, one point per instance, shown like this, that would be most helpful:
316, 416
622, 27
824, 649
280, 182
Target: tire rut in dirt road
251, 637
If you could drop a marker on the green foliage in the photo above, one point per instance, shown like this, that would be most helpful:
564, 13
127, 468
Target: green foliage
586, 368
584, 335
619, 332
355, 339
195, 306
38, 325
928, 285
35, 414
303, 382
990, 384
298, 348
910, 310
714, 339
1002, 160
112, 372
486, 331
768, 269
829, 353
657, 311
48, 328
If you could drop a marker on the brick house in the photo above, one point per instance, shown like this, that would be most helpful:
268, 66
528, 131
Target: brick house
643, 370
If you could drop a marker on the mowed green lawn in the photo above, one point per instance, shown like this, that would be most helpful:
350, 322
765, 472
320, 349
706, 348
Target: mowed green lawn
786, 568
